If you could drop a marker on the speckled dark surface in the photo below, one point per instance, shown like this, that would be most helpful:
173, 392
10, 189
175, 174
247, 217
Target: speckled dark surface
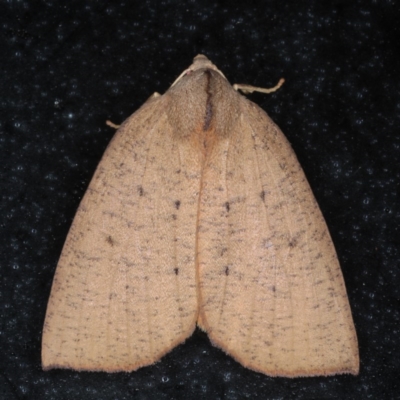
67, 68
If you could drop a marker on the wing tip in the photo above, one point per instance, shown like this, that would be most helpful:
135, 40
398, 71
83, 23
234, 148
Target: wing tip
351, 366
304, 372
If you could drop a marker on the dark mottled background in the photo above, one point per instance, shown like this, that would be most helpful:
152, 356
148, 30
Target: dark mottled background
66, 67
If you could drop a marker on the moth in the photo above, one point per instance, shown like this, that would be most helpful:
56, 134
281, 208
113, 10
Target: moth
199, 214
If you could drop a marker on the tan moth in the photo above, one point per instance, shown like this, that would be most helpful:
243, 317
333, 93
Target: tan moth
200, 214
